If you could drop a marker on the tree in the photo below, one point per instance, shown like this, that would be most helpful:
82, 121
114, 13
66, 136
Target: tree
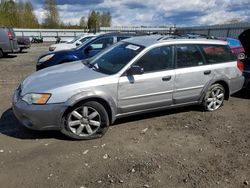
97, 19
9, 14
105, 19
29, 19
83, 23
93, 21
52, 19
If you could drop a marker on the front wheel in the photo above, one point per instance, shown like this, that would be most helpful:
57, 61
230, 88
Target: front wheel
214, 97
86, 121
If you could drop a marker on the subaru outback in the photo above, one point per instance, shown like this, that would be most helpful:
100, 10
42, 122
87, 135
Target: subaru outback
137, 75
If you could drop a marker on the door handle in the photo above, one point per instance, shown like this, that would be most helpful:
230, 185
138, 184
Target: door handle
207, 72
166, 78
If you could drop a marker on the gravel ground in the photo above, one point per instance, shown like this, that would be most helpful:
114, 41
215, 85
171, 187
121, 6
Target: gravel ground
174, 148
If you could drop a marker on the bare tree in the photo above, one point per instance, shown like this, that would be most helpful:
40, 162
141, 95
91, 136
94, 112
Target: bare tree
52, 19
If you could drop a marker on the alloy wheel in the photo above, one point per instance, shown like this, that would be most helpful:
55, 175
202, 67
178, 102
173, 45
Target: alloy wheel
84, 121
215, 99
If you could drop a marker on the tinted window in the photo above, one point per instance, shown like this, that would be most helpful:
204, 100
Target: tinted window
113, 59
217, 53
188, 56
102, 43
157, 59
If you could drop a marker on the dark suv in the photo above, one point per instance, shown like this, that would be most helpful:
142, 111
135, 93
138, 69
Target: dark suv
245, 41
87, 50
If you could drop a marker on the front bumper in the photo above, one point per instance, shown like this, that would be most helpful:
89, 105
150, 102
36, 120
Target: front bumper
38, 117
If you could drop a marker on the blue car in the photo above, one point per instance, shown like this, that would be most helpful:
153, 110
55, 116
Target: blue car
87, 50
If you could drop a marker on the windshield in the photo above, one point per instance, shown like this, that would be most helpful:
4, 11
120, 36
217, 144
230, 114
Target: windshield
113, 59
75, 39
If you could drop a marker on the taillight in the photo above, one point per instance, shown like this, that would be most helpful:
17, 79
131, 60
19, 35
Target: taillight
9, 35
240, 65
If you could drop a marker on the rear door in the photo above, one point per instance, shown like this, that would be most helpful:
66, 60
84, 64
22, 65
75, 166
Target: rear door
192, 74
154, 88
13, 40
4, 40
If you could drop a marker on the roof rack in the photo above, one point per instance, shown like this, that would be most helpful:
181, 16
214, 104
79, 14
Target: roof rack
184, 36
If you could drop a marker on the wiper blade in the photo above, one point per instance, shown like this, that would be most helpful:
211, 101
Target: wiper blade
88, 64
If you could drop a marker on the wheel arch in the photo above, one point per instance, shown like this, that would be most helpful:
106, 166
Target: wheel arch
226, 87
98, 99
219, 81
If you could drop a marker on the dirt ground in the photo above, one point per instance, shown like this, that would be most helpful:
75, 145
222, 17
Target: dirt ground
173, 148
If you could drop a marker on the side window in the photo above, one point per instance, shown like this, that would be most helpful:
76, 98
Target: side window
102, 43
217, 53
188, 56
157, 59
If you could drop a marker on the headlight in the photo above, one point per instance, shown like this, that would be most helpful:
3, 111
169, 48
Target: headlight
46, 58
36, 98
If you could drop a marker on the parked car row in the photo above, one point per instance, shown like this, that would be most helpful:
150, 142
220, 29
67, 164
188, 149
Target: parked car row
91, 45
82, 91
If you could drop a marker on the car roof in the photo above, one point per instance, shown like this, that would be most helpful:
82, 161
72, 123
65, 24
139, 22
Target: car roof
150, 40
117, 34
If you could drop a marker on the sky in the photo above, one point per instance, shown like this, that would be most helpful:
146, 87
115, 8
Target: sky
153, 12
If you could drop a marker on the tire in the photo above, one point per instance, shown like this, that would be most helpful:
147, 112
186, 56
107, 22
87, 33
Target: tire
86, 121
1, 53
214, 98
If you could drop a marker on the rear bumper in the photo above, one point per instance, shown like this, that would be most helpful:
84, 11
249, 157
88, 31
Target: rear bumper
39, 117
236, 84
24, 46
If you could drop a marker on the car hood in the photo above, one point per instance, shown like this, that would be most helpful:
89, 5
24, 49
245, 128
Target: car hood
245, 41
60, 52
59, 76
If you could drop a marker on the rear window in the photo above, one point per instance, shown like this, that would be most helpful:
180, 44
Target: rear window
121, 38
217, 53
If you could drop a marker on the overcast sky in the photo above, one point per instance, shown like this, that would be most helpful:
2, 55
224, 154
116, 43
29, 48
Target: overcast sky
153, 12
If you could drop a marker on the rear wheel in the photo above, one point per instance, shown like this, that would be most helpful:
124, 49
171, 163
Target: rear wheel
86, 121
214, 97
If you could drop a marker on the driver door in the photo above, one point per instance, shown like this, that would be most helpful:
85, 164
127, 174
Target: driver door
153, 88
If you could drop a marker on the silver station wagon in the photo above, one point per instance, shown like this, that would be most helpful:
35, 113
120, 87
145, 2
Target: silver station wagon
137, 75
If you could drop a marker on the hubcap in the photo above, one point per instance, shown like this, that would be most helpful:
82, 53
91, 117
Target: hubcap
215, 99
84, 121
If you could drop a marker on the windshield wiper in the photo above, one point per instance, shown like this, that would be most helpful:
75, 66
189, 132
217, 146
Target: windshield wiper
89, 65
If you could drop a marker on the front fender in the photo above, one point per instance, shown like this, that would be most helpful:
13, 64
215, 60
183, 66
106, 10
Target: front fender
94, 95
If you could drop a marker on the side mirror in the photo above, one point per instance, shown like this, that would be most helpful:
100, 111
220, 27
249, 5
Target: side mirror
241, 56
135, 70
78, 44
89, 48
